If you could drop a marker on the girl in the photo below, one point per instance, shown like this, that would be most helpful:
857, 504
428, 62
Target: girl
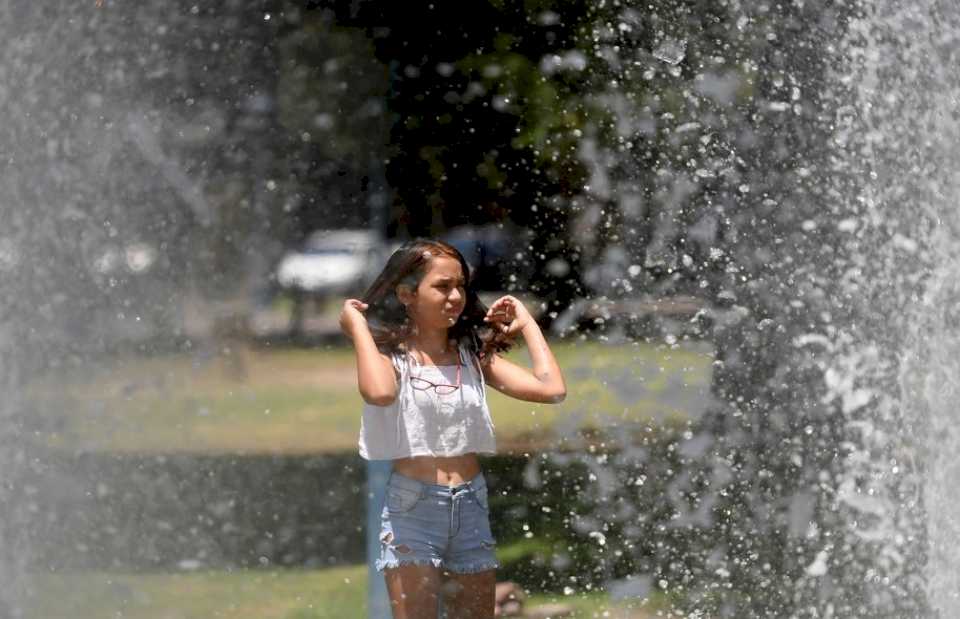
426, 347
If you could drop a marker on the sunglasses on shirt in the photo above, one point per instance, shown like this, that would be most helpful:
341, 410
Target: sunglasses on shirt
422, 384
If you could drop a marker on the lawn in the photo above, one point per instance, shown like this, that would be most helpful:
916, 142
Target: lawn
305, 400
335, 593
319, 594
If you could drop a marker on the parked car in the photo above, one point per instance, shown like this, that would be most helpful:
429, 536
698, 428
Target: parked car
330, 263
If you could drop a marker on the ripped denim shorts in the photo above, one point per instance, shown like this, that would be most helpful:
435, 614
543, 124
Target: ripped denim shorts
444, 526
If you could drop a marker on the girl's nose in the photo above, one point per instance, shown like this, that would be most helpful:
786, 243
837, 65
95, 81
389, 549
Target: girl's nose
456, 294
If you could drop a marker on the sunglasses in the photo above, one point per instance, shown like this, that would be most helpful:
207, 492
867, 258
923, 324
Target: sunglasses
422, 384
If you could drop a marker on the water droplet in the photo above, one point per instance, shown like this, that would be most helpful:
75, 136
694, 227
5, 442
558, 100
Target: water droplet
671, 51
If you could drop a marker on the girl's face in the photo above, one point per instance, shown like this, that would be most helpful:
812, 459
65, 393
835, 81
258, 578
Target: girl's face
439, 298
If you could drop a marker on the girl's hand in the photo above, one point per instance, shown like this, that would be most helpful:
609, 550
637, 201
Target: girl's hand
352, 318
508, 315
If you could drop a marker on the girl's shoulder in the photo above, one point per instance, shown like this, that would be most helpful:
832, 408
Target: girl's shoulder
470, 354
398, 359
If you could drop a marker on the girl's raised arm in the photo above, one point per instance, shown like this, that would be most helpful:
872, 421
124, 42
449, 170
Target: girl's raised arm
376, 378
542, 384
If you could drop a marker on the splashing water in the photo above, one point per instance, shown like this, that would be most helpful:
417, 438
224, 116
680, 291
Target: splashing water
671, 51
897, 137
854, 303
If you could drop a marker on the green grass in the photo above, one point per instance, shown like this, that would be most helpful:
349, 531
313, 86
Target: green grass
607, 384
335, 593
305, 401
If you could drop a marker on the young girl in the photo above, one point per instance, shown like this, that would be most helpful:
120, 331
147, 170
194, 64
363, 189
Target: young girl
426, 347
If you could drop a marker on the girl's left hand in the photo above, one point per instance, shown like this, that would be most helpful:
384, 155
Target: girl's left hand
508, 315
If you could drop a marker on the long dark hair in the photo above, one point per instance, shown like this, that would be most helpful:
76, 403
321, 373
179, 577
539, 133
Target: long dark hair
387, 317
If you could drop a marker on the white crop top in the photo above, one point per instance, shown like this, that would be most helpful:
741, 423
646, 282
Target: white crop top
421, 422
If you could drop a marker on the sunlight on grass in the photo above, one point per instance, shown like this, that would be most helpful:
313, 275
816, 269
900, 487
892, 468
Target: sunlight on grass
305, 401
606, 384
334, 593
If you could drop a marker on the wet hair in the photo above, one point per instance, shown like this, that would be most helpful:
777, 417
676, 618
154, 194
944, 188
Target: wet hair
387, 317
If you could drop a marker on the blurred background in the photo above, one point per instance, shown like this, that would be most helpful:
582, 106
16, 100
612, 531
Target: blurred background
729, 218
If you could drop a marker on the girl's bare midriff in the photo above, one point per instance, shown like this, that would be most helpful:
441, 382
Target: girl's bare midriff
441, 471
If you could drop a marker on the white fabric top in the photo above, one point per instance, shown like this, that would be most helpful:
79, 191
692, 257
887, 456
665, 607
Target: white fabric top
423, 423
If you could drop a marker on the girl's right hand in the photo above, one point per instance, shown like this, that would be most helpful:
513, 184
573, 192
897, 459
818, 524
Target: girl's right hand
351, 316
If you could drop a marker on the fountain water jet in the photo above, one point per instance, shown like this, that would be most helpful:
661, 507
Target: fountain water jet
896, 143
804, 167
107, 128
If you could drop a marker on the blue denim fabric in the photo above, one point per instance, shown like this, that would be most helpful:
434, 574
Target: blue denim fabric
444, 526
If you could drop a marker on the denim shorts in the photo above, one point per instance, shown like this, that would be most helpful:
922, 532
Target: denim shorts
444, 526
